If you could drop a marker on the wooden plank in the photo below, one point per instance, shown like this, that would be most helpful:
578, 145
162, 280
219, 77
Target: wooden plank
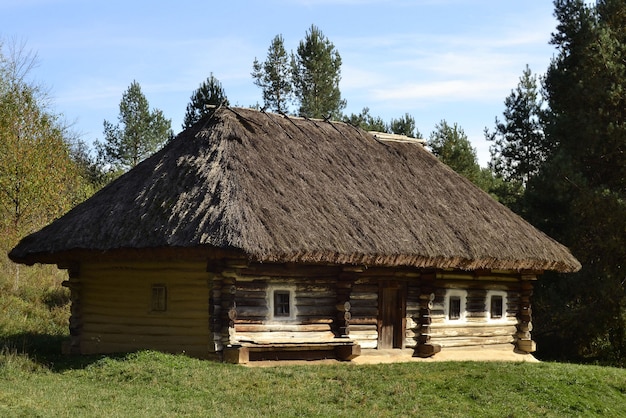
282, 327
472, 331
147, 329
471, 341
145, 340
161, 320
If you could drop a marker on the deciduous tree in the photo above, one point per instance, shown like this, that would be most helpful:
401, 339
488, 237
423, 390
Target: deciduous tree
38, 179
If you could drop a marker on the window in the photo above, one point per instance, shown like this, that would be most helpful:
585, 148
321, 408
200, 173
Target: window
282, 303
454, 305
159, 298
496, 305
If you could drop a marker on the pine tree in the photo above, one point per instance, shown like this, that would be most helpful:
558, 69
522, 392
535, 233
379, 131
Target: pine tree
316, 71
451, 145
405, 125
204, 101
273, 76
579, 196
139, 133
366, 121
519, 145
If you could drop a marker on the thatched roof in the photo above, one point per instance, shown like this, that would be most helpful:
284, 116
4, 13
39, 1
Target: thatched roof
282, 189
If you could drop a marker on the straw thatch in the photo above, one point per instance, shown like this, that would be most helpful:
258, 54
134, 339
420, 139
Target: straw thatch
281, 189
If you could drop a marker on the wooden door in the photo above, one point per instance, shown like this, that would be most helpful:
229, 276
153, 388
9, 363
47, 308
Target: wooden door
391, 322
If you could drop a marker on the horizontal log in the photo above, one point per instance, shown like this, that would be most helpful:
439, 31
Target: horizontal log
242, 295
132, 330
361, 311
315, 310
144, 340
314, 320
247, 328
282, 271
363, 320
252, 311
159, 320
278, 337
257, 286
474, 331
354, 297
319, 302
89, 311
363, 328
467, 341
367, 344
247, 321
169, 266
251, 302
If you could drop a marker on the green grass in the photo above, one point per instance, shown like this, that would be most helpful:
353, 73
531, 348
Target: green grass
36, 380
156, 384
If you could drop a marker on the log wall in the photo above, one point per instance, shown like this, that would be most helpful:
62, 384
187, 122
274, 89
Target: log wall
212, 307
364, 310
315, 309
476, 328
116, 313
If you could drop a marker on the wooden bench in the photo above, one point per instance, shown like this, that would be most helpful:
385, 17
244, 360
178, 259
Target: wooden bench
250, 351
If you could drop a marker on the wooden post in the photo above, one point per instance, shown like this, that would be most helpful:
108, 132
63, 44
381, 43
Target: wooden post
215, 313
76, 311
344, 289
424, 347
229, 310
523, 339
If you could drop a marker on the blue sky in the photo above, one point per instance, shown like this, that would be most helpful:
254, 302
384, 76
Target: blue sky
434, 59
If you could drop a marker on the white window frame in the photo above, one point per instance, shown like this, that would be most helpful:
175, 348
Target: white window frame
462, 294
292, 302
503, 294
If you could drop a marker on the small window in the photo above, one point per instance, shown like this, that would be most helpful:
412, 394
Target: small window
454, 308
159, 298
496, 307
454, 305
282, 303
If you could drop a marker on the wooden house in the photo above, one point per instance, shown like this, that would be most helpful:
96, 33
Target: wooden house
254, 235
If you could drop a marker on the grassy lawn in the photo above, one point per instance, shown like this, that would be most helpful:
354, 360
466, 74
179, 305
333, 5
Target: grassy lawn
155, 384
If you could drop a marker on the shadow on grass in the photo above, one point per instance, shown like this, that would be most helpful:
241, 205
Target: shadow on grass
45, 350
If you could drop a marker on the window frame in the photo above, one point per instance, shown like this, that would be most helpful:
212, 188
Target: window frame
272, 291
158, 298
455, 293
488, 305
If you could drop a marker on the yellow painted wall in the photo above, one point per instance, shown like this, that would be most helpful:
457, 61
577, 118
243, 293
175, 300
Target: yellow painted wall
116, 310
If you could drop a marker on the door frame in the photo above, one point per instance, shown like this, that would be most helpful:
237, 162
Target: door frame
398, 316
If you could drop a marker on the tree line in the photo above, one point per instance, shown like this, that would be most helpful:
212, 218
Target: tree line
561, 149
557, 156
